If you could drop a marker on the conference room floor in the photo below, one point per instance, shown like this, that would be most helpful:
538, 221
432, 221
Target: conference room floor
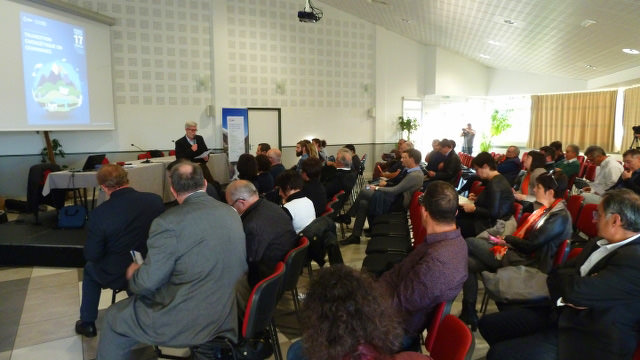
39, 307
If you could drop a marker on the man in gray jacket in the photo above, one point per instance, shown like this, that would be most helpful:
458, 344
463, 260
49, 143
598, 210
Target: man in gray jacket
386, 194
184, 292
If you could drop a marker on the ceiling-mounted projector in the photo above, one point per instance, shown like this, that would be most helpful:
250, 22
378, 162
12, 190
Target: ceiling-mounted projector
310, 14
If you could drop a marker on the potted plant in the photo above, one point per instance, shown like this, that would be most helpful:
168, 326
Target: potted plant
499, 124
56, 147
407, 124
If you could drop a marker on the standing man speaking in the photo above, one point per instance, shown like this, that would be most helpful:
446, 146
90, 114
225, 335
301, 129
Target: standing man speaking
191, 147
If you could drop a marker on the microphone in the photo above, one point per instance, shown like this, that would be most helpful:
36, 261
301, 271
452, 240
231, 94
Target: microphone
144, 151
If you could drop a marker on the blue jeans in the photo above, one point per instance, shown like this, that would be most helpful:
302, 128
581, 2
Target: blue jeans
91, 289
295, 351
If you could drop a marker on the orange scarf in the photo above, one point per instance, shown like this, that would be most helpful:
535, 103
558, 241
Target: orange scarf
524, 186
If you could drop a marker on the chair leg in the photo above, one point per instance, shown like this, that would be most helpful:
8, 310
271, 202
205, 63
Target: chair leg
485, 303
296, 303
275, 342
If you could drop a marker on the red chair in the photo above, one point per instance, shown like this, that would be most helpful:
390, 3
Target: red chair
562, 253
524, 155
590, 174
172, 152
432, 330
144, 156
453, 340
294, 263
574, 253
585, 223
476, 188
573, 205
523, 218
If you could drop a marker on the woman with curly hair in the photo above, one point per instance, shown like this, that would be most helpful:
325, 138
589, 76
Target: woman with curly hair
348, 320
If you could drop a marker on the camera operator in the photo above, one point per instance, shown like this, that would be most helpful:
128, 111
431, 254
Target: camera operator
467, 134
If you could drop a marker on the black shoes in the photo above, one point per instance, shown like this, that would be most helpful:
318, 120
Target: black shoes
343, 219
469, 317
352, 239
87, 329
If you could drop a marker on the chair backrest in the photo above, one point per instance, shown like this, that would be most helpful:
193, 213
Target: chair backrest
476, 187
294, 263
432, 330
636, 354
562, 253
573, 206
590, 174
144, 156
574, 253
262, 303
524, 218
517, 210
453, 340
172, 152
585, 222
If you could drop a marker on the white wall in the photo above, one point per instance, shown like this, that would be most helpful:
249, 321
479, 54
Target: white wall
459, 76
404, 68
508, 82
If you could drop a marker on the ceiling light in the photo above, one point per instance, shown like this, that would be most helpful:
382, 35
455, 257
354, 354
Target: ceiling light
590, 67
485, 56
631, 51
406, 20
509, 22
496, 43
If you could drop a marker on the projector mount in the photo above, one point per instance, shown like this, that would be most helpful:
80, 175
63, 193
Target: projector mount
310, 14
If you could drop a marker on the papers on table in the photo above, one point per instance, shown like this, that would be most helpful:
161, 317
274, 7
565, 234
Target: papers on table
203, 155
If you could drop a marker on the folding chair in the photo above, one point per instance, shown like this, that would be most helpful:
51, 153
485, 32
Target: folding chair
453, 340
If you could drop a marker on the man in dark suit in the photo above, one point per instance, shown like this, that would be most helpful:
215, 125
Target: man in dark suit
275, 156
341, 178
449, 168
191, 146
116, 227
595, 297
630, 177
183, 293
311, 169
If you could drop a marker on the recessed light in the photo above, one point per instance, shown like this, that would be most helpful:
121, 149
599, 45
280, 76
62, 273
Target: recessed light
509, 22
631, 51
406, 20
590, 67
587, 22
496, 43
485, 56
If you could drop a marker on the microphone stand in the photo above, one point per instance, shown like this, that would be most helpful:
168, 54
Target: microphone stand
144, 151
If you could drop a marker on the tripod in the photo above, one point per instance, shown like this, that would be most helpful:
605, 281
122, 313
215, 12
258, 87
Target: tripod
635, 144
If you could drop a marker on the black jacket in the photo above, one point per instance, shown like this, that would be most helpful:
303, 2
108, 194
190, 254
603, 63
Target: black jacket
183, 149
608, 328
495, 202
341, 180
450, 169
116, 227
269, 236
315, 191
542, 241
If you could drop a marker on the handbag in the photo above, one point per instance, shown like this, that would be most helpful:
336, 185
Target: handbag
516, 283
72, 217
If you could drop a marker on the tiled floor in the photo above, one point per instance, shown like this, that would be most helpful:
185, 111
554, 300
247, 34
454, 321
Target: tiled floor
39, 307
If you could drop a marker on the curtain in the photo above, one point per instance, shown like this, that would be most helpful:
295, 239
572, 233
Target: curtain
630, 117
578, 118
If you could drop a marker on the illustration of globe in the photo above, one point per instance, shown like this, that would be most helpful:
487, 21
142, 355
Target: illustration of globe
56, 86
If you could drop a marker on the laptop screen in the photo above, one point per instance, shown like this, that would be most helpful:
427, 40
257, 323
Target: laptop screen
92, 162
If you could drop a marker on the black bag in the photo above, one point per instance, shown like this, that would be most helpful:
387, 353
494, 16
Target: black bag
72, 217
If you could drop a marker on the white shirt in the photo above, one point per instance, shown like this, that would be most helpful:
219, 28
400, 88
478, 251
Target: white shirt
607, 175
302, 212
605, 249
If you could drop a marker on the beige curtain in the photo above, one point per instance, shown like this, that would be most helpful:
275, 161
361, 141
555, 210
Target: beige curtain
579, 118
630, 117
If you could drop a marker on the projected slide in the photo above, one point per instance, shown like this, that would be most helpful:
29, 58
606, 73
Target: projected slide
55, 71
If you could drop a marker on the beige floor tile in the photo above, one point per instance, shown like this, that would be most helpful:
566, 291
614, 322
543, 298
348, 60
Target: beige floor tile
8, 274
61, 304
63, 349
5, 355
45, 331
54, 280
42, 271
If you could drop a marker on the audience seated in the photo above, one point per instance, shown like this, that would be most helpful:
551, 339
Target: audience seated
608, 174
311, 169
435, 157
264, 181
449, 168
355, 159
305, 150
435, 271
348, 319
534, 164
534, 243
299, 207
263, 149
596, 312
247, 167
630, 177
214, 189
378, 199
341, 177
549, 157
275, 156
559, 156
569, 165
183, 293
393, 166
493, 205
116, 227
509, 165
320, 145
268, 230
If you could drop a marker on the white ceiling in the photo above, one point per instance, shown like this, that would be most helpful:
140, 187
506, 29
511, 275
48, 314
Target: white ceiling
547, 37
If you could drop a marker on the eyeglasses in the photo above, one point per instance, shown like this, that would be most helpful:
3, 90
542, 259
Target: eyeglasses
421, 198
192, 129
596, 215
